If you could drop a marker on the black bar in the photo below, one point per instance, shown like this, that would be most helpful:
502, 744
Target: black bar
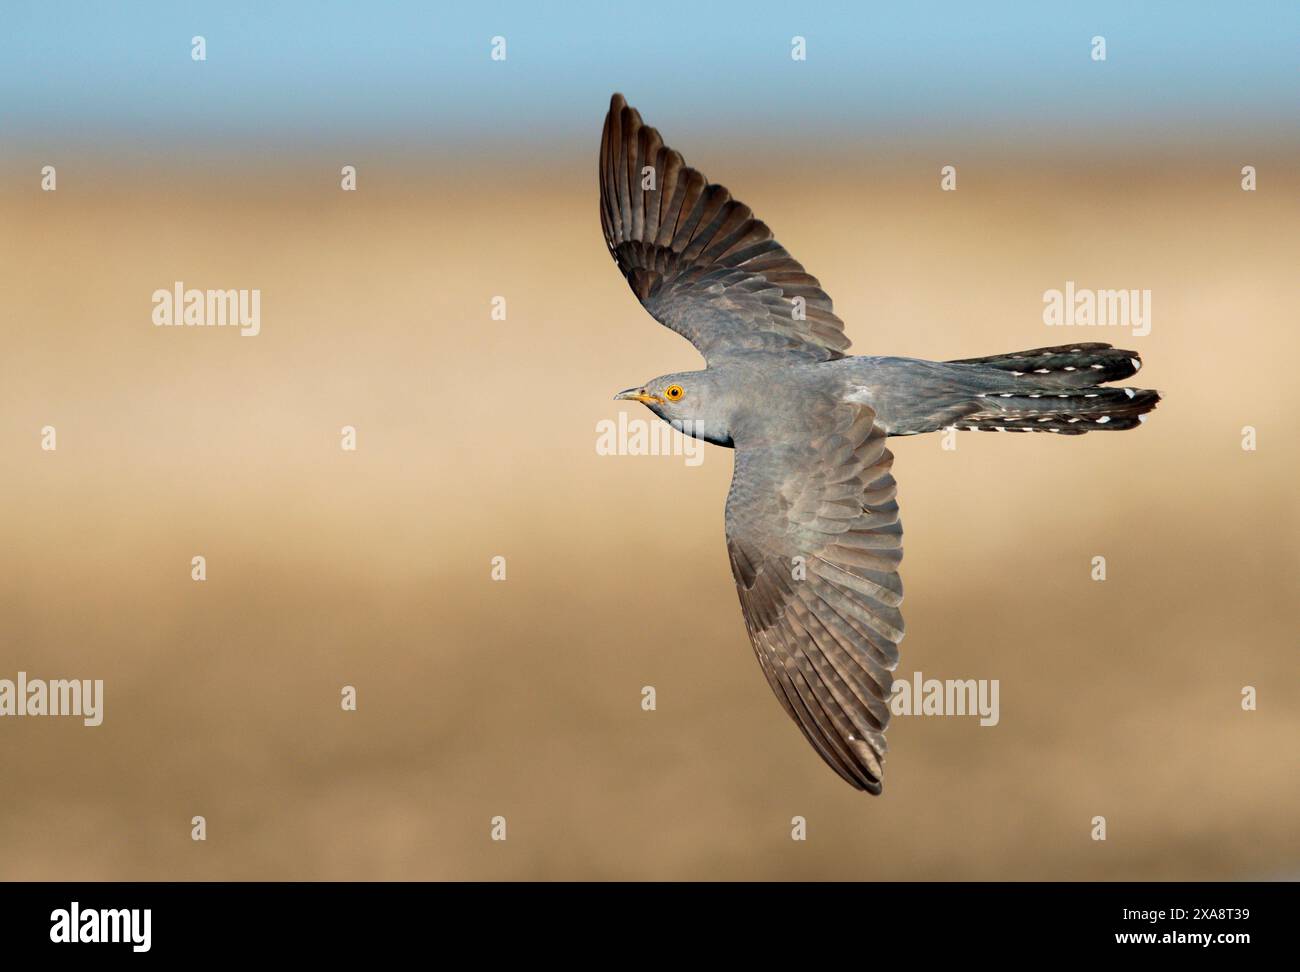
238, 920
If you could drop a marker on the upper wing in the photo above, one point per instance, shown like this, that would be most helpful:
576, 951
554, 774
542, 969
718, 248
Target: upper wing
815, 543
697, 259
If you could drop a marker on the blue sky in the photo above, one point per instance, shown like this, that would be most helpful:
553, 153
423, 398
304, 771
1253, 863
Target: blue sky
419, 73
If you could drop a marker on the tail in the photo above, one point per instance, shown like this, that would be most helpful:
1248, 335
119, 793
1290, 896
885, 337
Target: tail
1058, 390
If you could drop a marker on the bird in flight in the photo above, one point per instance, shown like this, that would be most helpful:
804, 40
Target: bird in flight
811, 520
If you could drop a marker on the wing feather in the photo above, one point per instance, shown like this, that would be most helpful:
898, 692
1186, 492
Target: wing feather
815, 543
698, 260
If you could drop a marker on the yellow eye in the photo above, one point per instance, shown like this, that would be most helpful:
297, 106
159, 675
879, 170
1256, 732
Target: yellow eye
674, 393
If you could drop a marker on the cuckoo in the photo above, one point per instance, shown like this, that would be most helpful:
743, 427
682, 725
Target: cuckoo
812, 523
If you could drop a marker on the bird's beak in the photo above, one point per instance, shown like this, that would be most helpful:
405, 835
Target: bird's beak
638, 395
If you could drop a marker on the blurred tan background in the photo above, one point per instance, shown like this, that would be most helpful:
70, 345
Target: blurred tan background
477, 438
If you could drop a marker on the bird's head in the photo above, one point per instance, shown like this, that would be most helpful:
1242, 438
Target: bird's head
690, 401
